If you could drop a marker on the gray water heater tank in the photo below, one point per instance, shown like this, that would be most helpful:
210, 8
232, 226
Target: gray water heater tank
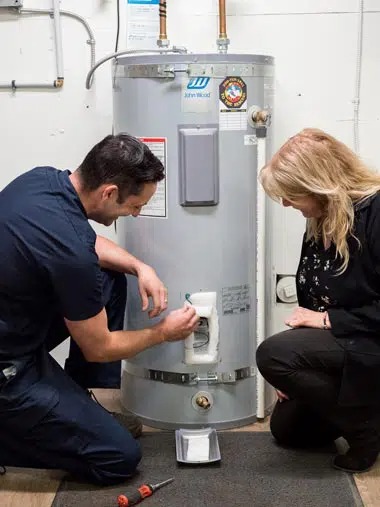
198, 232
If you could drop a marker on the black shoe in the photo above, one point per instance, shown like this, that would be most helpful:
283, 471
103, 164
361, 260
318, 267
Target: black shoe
356, 460
128, 420
2, 470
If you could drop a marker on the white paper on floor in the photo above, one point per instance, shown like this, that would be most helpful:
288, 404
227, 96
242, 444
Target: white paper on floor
198, 448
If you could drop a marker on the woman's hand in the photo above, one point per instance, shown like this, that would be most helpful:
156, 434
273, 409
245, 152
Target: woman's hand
302, 317
281, 396
151, 286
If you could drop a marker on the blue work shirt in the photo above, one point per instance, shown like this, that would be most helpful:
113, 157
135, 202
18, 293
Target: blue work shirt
48, 266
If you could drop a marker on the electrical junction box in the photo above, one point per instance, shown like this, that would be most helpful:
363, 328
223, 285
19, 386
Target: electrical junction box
11, 3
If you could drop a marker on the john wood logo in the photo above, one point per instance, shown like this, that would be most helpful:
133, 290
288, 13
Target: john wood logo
198, 83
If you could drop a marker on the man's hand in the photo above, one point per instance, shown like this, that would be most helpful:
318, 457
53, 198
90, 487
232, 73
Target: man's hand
179, 324
151, 286
301, 317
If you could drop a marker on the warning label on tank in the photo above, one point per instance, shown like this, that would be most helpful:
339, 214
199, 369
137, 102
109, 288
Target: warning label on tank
236, 299
233, 104
158, 205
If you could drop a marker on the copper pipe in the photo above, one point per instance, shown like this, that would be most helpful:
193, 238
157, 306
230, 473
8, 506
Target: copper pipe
222, 20
162, 10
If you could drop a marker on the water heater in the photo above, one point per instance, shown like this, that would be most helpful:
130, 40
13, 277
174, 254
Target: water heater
199, 232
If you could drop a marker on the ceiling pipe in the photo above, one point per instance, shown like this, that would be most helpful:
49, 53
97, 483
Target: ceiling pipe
223, 41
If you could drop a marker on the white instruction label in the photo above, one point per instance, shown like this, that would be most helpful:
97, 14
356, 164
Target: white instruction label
232, 119
236, 299
143, 24
158, 205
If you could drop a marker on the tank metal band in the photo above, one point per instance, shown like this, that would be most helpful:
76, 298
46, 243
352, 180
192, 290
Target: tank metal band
216, 70
171, 377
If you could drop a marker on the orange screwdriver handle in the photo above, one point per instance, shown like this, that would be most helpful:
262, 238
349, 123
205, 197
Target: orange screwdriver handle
126, 501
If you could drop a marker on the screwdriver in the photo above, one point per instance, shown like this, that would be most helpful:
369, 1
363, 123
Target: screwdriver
143, 491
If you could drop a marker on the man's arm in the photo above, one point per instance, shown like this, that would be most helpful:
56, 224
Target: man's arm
112, 256
99, 344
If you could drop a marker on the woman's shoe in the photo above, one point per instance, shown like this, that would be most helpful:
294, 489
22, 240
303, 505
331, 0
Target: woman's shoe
356, 460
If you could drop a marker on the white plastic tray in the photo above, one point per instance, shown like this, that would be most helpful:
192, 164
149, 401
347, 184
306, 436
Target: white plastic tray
197, 446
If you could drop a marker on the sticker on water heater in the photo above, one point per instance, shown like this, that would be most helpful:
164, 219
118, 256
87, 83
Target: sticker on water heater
142, 23
197, 94
233, 104
236, 299
157, 207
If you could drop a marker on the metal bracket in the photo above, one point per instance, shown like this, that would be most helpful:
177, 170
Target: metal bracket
209, 378
149, 71
213, 70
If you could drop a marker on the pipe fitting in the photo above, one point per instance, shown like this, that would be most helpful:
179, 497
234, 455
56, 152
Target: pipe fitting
58, 83
261, 117
163, 43
223, 44
258, 118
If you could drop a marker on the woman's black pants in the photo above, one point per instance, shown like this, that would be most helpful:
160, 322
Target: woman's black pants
307, 365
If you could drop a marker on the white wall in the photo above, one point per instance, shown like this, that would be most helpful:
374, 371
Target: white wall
314, 44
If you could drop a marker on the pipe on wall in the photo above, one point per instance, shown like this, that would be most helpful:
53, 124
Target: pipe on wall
58, 40
54, 13
14, 85
260, 273
356, 100
91, 41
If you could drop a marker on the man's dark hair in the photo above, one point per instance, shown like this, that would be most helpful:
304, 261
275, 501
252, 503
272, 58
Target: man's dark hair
121, 160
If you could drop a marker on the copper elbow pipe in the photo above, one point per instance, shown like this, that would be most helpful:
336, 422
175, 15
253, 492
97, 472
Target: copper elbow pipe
222, 20
162, 11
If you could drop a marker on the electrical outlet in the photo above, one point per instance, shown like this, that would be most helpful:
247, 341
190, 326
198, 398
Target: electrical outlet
11, 3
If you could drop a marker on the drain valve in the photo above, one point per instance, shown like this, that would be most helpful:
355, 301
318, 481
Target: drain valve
202, 401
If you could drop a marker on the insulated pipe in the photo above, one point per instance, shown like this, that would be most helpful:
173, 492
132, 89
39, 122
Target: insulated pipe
260, 271
58, 41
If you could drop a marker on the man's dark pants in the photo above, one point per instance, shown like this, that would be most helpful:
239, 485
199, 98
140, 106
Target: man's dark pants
48, 420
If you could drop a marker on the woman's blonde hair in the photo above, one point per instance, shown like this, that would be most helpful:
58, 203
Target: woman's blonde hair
313, 163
